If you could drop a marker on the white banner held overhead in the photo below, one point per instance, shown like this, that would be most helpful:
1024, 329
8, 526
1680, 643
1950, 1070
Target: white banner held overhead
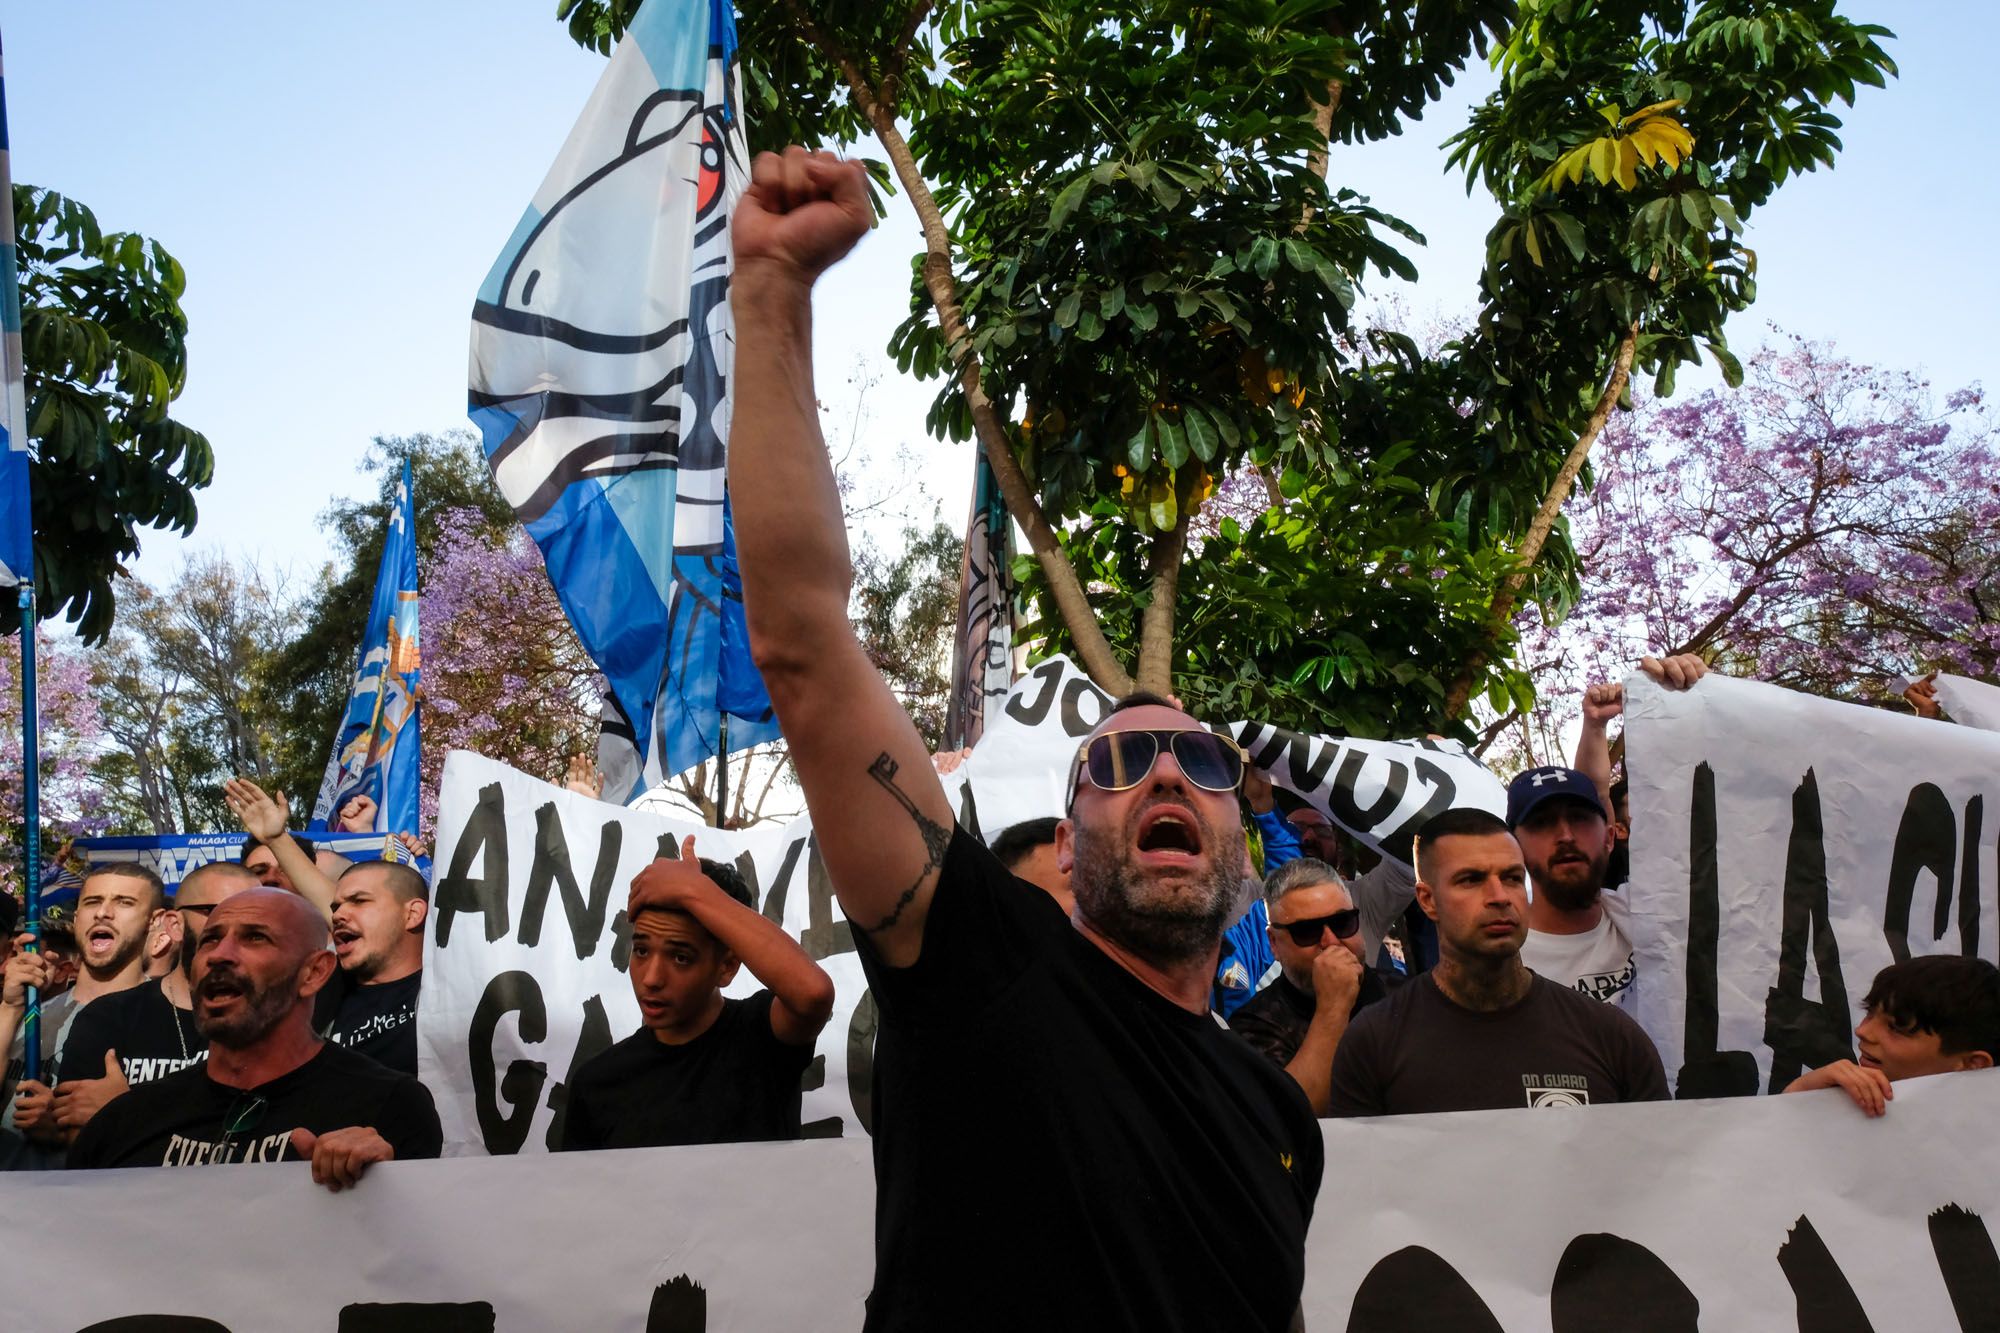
524, 974
1785, 849
1970, 703
1774, 1212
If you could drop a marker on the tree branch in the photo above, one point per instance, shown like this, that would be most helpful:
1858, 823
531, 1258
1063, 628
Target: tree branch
1064, 585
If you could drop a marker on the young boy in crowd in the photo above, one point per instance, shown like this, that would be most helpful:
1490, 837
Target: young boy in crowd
701, 1068
1931, 1015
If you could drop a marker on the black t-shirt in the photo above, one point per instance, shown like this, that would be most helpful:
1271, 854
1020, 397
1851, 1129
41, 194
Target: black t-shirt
153, 1038
735, 1083
1418, 1051
188, 1119
1057, 1145
378, 1021
1275, 1019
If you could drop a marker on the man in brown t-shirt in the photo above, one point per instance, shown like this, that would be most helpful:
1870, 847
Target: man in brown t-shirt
1480, 1031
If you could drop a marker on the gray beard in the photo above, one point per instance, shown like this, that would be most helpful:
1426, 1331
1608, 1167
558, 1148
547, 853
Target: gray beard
1108, 891
263, 1009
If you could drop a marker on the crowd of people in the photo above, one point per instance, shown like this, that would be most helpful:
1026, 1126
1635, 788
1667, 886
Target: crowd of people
1117, 1029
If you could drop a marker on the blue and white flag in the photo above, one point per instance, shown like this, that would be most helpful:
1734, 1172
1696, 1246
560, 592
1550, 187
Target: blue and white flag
602, 350
982, 654
375, 755
17, 534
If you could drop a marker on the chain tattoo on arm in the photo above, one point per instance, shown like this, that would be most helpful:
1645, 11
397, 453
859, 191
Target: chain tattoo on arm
936, 839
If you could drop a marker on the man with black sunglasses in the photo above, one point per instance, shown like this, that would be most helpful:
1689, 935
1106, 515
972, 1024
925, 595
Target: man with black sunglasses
1035, 1078
271, 1090
1297, 1021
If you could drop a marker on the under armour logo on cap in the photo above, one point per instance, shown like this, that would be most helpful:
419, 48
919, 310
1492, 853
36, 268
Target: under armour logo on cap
1537, 785
1541, 775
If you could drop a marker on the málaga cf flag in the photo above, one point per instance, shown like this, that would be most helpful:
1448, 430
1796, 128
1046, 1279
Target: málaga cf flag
375, 754
601, 359
17, 539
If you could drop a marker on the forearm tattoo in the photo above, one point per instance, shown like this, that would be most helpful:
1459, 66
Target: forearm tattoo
936, 839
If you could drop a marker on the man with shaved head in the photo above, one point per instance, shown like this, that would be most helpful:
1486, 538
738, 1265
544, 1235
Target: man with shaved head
147, 1032
271, 1089
1035, 1075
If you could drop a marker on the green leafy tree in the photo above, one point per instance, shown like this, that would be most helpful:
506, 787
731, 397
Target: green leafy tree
104, 346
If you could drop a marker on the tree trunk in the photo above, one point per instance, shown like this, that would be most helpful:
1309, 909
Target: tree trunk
1545, 519
1071, 600
1156, 623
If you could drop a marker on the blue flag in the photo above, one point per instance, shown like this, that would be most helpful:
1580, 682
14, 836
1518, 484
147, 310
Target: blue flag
375, 755
602, 348
17, 534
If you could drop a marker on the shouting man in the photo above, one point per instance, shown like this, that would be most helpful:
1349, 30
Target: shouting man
1064, 1137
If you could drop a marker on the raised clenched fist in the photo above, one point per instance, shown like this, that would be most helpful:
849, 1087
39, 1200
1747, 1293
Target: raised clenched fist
802, 213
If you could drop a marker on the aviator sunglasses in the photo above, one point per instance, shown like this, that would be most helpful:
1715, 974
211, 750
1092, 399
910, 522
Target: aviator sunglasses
1306, 933
1120, 760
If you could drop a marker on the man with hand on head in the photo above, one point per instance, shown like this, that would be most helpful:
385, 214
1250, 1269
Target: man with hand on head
1035, 1076
1480, 1031
701, 1068
270, 1089
279, 859
116, 911
147, 1032
1297, 1021
379, 910
1939, 1014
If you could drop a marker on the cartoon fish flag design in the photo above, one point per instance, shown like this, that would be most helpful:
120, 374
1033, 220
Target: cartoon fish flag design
375, 754
982, 656
602, 351
17, 536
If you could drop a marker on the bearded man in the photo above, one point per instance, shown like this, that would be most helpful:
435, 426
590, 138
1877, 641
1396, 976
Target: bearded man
271, 1090
1063, 1135
1577, 933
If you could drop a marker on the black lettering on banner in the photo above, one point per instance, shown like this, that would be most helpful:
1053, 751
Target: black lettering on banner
1705, 1071
591, 1042
826, 1127
418, 1317
861, 1032
551, 868
1030, 712
621, 941
484, 838
1605, 1281
509, 992
1826, 1300
1969, 1266
823, 937
968, 812
1074, 693
156, 1323
1415, 1291
1927, 839
1444, 794
1308, 759
678, 1306
1805, 1034
774, 903
746, 866
1340, 800
668, 848
1968, 879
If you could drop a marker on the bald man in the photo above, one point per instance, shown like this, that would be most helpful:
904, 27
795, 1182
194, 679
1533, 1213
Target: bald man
271, 1089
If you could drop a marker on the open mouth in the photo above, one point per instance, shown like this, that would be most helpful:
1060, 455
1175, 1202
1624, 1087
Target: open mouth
1169, 833
344, 939
101, 939
220, 988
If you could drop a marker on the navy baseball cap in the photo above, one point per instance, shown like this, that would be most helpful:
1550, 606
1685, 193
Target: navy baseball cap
1536, 785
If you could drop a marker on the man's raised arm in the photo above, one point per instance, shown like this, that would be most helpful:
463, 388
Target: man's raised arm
879, 813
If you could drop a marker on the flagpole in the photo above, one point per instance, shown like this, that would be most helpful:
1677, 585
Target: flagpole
722, 773
31, 791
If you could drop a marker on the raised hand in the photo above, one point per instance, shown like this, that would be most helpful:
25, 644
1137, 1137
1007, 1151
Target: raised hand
668, 883
263, 816
1677, 672
583, 778
1922, 695
358, 815
1601, 703
802, 213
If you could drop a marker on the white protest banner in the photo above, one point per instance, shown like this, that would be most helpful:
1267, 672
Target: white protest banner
524, 973
1970, 703
1786, 848
1794, 1212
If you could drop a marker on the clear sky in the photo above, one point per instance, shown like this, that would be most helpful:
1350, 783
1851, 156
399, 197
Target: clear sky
338, 178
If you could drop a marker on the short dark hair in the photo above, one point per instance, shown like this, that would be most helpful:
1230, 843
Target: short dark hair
730, 881
10, 912
405, 881
1465, 821
252, 844
1958, 998
1017, 841
130, 870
